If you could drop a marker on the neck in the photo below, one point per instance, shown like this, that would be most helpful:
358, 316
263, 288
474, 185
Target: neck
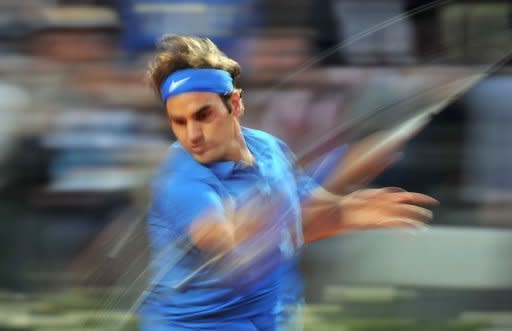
247, 156
242, 151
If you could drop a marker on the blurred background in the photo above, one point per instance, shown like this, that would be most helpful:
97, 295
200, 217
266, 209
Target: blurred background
81, 134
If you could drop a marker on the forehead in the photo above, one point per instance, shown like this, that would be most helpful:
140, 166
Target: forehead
187, 103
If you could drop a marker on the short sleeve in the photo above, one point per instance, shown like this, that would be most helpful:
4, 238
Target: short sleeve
177, 203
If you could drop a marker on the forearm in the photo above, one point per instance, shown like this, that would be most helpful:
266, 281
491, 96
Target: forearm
212, 235
326, 215
224, 232
321, 216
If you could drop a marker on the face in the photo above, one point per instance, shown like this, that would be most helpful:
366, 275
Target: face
204, 127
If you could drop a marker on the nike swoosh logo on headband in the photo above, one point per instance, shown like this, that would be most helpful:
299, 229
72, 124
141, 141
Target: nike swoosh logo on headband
175, 84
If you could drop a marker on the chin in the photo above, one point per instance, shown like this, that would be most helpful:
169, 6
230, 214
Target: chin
204, 158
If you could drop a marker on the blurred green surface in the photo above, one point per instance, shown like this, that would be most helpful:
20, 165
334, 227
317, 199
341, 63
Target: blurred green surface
76, 309
87, 309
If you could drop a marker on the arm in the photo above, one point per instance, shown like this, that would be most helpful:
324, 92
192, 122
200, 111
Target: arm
194, 218
192, 209
212, 234
326, 215
221, 232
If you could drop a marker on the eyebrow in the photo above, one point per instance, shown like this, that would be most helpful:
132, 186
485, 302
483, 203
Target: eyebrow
201, 109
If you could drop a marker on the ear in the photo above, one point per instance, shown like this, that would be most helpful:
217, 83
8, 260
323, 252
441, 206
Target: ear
237, 103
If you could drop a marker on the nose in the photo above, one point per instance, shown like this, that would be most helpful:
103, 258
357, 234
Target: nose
194, 133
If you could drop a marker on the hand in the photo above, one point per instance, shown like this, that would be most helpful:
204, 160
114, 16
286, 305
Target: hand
384, 208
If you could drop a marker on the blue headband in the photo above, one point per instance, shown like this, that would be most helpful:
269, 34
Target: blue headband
196, 80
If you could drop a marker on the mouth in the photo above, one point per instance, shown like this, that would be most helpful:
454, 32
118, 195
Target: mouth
198, 149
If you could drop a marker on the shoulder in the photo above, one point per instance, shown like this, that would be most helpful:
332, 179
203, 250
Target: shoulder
179, 173
258, 134
179, 163
263, 139
267, 140
183, 187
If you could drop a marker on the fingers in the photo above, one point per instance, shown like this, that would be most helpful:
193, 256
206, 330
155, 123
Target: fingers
405, 205
414, 198
392, 189
400, 223
412, 212
397, 194
388, 207
374, 193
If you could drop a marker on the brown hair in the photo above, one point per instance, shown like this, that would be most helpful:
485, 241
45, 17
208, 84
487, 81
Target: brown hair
182, 52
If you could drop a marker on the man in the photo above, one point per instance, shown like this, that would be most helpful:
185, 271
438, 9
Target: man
230, 210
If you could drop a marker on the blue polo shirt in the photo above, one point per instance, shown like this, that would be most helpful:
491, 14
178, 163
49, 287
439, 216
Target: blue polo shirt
190, 292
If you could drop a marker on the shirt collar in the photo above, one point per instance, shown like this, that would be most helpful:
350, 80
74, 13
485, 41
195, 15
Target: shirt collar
222, 169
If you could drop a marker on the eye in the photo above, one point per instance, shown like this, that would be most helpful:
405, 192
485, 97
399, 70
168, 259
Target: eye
178, 121
203, 115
